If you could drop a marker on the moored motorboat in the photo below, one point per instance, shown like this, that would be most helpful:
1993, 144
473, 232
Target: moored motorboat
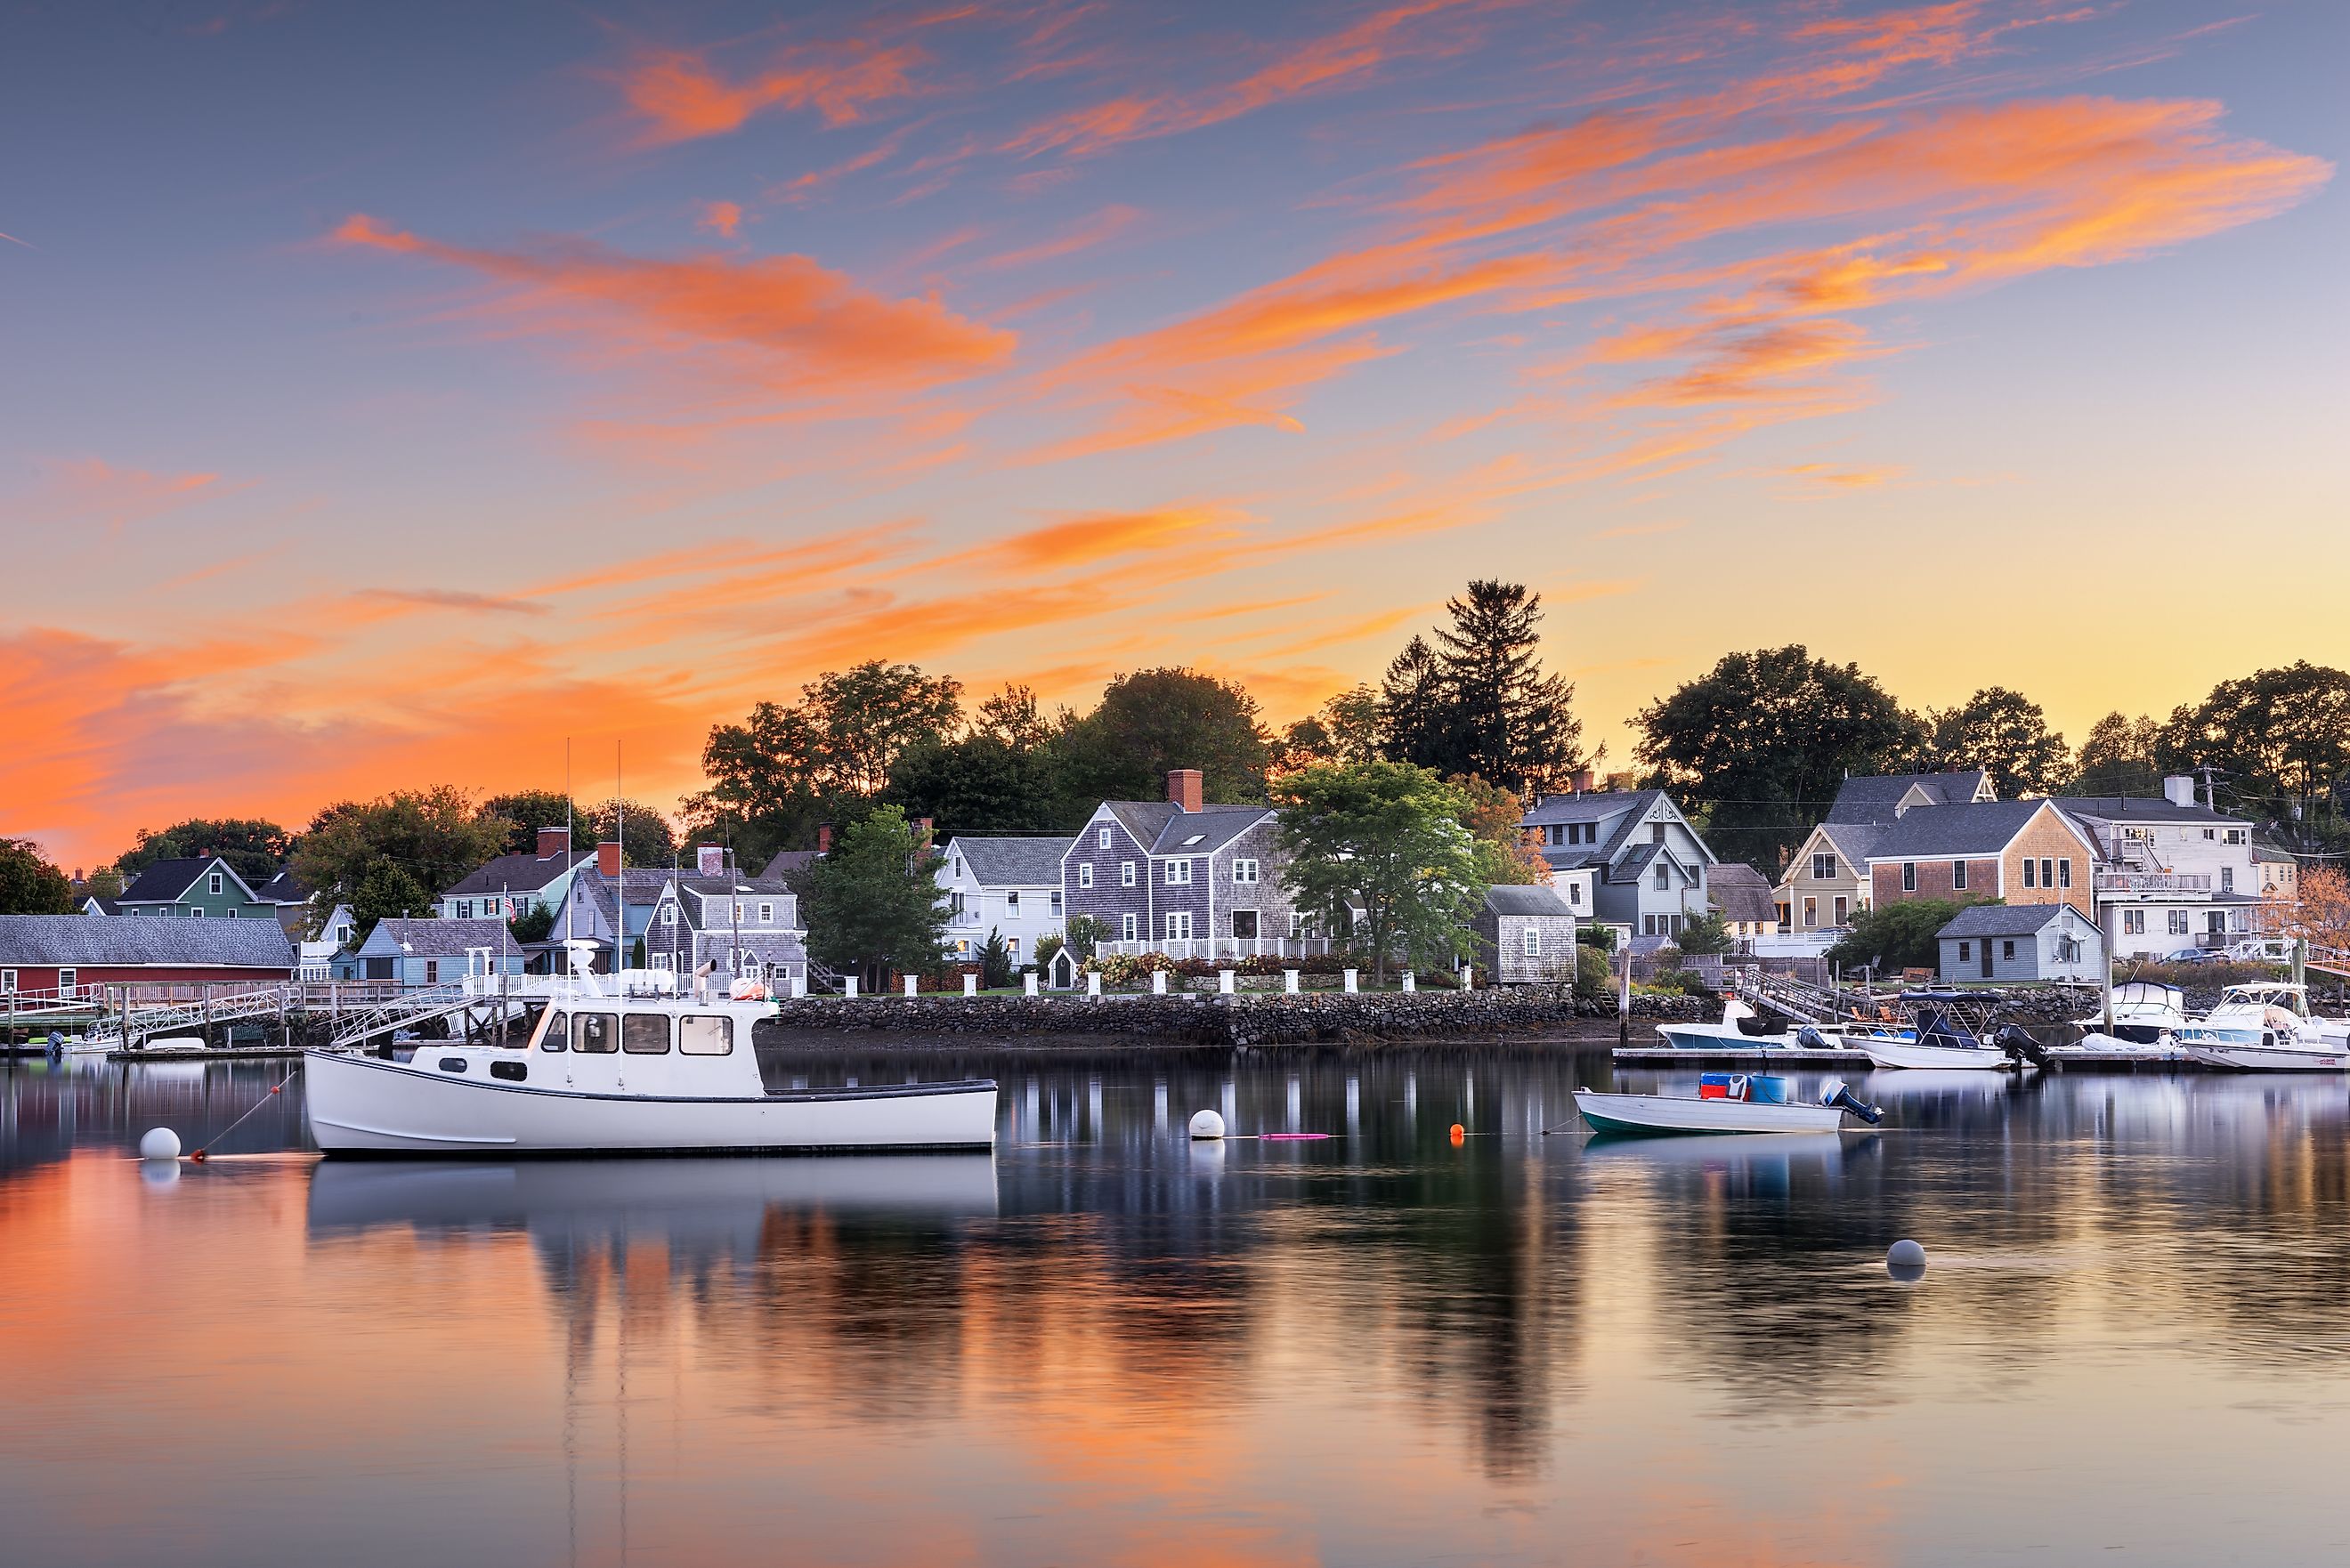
597, 1071
1747, 1104
2140, 1023
1740, 1028
1939, 1038
2264, 1028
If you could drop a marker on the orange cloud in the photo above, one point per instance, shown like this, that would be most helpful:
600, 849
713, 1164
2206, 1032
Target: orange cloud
681, 97
724, 218
1351, 56
816, 321
91, 491
1104, 225
1082, 541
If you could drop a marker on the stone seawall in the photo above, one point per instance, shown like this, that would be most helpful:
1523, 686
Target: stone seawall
1309, 1017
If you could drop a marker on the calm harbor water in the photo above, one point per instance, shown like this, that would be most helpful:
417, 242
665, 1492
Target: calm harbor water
1108, 1345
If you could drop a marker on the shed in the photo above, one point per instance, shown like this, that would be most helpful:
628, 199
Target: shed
1525, 934
2022, 942
438, 953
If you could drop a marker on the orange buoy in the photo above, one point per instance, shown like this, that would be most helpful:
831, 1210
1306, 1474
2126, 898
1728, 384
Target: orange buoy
1459, 1132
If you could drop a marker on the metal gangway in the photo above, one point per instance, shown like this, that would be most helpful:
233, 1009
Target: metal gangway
478, 1008
137, 1023
1798, 1000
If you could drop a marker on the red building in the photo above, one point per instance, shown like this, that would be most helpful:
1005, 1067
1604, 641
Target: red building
49, 953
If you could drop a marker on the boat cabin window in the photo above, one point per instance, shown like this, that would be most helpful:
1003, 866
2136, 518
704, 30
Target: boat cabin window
594, 1032
558, 1033
645, 1033
452, 1063
515, 1071
700, 1035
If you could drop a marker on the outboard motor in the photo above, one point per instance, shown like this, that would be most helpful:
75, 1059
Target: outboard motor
1835, 1093
2020, 1047
1811, 1038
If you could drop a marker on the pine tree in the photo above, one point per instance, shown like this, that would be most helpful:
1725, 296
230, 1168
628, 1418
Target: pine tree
1416, 709
1511, 724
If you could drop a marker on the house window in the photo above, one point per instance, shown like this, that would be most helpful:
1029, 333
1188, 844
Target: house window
431, 971
1822, 868
1244, 872
1958, 876
1966, 951
1012, 945
2133, 922
7, 981
1055, 896
2007, 951
1909, 875
2179, 922
2029, 868
1012, 903
1127, 925
67, 980
1126, 873
766, 914
1245, 924
1664, 878
1648, 925
213, 884
2235, 836
1104, 839
2064, 872
669, 915
1533, 942
1575, 892
1656, 833
1554, 834
1179, 925
1086, 875
1811, 911
195, 911
1178, 873
1842, 908
2226, 879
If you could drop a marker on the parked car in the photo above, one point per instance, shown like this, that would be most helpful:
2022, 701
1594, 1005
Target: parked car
2193, 955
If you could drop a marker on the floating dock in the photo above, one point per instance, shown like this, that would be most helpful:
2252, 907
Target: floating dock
1782, 1056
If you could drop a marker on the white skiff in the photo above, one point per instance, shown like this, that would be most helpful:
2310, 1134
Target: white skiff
1670, 1114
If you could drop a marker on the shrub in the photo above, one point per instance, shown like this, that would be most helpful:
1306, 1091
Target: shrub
1684, 982
1593, 978
1709, 933
1595, 936
1896, 936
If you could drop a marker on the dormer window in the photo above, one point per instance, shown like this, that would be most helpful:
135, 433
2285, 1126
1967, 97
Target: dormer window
213, 884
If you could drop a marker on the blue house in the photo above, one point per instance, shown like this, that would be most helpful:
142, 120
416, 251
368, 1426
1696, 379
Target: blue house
438, 953
1182, 878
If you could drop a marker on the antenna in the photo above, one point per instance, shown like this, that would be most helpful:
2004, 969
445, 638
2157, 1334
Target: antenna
621, 881
569, 859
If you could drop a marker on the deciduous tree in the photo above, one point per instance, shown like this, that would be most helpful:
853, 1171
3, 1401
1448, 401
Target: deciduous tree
29, 885
872, 905
1896, 936
1389, 837
1756, 748
385, 892
2319, 913
2006, 736
1346, 728
2119, 758
2280, 741
430, 836
1153, 722
1507, 852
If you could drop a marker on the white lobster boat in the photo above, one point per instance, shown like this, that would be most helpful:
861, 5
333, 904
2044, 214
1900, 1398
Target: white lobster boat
600, 1071
2265, 1028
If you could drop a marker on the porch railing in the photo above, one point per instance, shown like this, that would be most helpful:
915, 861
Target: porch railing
1212, 948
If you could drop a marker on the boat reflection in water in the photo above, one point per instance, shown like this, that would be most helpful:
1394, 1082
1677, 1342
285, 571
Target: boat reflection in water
707, 1202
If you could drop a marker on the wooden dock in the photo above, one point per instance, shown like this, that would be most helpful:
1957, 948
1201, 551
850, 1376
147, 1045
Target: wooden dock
1783, 1056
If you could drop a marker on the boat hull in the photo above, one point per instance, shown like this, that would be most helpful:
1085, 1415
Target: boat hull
1909, 1054
363, 1105
2235, 1057
1723, 1037
1663, 1115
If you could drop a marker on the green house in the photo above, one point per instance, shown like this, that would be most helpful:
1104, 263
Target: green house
202, 886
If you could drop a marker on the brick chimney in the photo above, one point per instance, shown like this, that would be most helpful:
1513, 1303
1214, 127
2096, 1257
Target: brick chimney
1583, 780
1183, 789
607, 859
922, 832
553, 841
709, 861
824, 839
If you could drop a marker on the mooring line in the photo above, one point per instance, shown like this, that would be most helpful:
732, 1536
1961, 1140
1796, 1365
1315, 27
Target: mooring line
205, 1148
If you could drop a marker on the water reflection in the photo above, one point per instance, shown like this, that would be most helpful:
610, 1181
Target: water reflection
1110, 1343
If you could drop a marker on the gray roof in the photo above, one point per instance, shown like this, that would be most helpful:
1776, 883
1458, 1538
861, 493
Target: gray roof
82, 942
1873, 798
1934, 832
1008, 862
2262, 850
718, 887
1512, 898
1632, 805
517, 874
2003, 919
767, 947
788, 861
1853, 840
2141, 808
282, 889
437, 939
1738, 892
641, 885
1161, 828
165, 880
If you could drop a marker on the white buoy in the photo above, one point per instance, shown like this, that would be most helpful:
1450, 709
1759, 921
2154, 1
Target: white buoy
161, 1143
1905, 1254
1205, 1125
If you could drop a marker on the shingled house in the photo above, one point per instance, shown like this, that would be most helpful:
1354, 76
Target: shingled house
1004, 884
76, 955
1826, 881
1650, 865
1183, 877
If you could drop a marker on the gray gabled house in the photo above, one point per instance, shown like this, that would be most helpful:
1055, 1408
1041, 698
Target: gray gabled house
1525, 934
1650, 865
1183, 877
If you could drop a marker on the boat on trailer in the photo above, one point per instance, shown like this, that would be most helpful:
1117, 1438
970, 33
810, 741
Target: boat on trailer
596, 1069
1725, 1102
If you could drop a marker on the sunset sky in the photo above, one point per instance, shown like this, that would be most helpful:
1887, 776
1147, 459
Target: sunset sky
391, 391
